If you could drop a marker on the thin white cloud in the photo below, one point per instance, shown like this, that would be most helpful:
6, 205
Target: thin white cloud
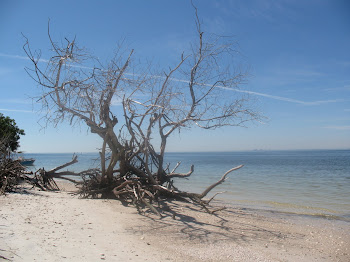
336, 89
14, 56
298, 72
16, 101
15, 110
23, 57
280, 98
257, 9
338, 127
286, 99
5, 71
344, 63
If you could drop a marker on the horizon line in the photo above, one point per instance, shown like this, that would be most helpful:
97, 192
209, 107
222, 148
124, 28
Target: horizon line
218, 151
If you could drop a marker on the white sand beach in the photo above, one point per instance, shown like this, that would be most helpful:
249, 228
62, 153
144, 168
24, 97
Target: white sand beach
59, 226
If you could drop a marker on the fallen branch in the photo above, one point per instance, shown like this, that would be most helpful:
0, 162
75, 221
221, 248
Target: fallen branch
205, 192
73, 161
208, 201
45, 179
172, 174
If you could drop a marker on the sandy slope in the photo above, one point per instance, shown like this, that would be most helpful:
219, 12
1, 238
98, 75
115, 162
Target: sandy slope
44, 226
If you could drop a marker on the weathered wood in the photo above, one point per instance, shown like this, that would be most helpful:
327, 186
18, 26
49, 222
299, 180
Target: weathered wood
11, 172
73, 161
222, 179
154, 108
181, 175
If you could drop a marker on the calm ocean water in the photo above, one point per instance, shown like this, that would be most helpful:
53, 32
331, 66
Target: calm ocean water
315, 182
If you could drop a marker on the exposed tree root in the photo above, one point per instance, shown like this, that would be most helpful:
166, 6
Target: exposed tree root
136, 189
141, 192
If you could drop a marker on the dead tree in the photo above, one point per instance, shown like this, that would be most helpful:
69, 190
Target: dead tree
197, 92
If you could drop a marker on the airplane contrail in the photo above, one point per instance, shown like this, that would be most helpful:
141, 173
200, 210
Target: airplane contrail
280, 98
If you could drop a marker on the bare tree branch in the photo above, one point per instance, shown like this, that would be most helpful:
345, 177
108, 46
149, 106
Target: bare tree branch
195, 92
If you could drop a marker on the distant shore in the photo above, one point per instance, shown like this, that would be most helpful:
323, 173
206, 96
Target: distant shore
56, 226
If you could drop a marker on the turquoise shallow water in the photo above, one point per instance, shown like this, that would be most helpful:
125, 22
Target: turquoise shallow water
313, 182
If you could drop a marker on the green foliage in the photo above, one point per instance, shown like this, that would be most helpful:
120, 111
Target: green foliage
9, 134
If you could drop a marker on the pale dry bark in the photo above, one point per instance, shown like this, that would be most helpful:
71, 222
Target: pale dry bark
193, 93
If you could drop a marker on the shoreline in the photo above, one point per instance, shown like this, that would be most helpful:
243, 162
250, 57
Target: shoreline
52, 226
271, 210
315, 182
273, 207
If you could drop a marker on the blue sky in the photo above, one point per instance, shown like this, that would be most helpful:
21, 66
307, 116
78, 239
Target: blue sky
298, 53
